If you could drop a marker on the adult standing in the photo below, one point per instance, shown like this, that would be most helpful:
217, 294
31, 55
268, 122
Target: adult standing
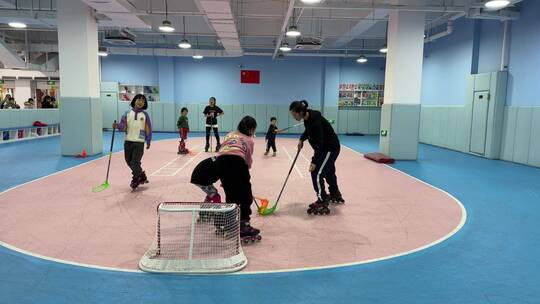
47, 102
212, 112
326, 146
4, 101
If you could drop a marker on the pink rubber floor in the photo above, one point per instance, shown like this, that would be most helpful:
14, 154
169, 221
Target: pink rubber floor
387, 213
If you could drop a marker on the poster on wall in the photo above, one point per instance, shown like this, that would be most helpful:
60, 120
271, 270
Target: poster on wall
126, 92
151, 92
360, 95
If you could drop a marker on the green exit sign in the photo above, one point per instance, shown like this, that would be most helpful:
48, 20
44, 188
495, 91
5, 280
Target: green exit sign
51, 82
1, 81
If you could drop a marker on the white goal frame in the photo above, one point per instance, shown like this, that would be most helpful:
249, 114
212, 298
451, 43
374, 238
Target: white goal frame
153, 261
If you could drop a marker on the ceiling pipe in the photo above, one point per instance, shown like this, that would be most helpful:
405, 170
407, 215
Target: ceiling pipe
505, 46
222, 53
348, 55
284, 25
412, 8
219, 16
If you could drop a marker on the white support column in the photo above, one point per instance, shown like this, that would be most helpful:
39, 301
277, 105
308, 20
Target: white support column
80, 106
400, 116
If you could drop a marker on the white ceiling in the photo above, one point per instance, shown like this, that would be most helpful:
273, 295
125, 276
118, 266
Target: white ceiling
343, 25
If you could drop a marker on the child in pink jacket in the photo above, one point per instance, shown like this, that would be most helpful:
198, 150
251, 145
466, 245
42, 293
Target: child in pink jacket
231, 166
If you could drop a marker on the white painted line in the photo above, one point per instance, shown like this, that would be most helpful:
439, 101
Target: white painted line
295, 167
187, 163
167, 167
307, 160
164, 166
440, 240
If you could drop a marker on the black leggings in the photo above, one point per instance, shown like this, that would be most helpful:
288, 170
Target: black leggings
325, 170
234, 174
216, 134
271, 143
133, 153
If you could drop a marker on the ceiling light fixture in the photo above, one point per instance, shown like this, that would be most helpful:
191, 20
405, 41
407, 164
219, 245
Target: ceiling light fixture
166, 26
293, 31
285, 47
18, 25
184, 44
102, 51
497, 4
362, 59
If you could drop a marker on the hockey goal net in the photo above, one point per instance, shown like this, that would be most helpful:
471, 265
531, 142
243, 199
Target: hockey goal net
195, 238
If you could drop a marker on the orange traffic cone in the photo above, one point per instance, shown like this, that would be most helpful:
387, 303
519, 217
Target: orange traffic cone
83, 154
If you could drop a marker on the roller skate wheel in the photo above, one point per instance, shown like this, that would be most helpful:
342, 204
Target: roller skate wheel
259, 237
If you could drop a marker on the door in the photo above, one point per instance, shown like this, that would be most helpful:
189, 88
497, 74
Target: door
109, 106
479, 122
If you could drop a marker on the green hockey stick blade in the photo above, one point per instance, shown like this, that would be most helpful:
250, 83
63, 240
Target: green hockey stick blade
101, 187
268, 211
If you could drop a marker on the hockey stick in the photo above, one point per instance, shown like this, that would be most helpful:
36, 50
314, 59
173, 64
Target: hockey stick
331, 121
105, 184
262, 206
268, 211
293, 126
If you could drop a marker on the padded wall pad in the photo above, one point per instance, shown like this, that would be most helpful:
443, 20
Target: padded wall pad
379, 158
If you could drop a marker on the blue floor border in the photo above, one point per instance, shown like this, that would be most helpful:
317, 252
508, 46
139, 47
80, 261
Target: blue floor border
493, 259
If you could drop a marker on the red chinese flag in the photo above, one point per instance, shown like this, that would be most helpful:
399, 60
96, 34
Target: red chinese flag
250, 76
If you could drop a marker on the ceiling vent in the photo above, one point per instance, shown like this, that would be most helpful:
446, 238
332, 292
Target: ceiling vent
308, 43
120, 37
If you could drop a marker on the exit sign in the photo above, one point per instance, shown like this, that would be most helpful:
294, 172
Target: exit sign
51, 82
1, 81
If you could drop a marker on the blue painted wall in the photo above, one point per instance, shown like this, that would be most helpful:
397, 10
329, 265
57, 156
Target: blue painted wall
449, 60
331, 82
447, 63
281, 80
490, 46
371, 72
130, 69
524, 88
166, 79
185, 80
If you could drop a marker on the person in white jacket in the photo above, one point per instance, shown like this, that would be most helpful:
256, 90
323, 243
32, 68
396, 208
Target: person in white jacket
138, 128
